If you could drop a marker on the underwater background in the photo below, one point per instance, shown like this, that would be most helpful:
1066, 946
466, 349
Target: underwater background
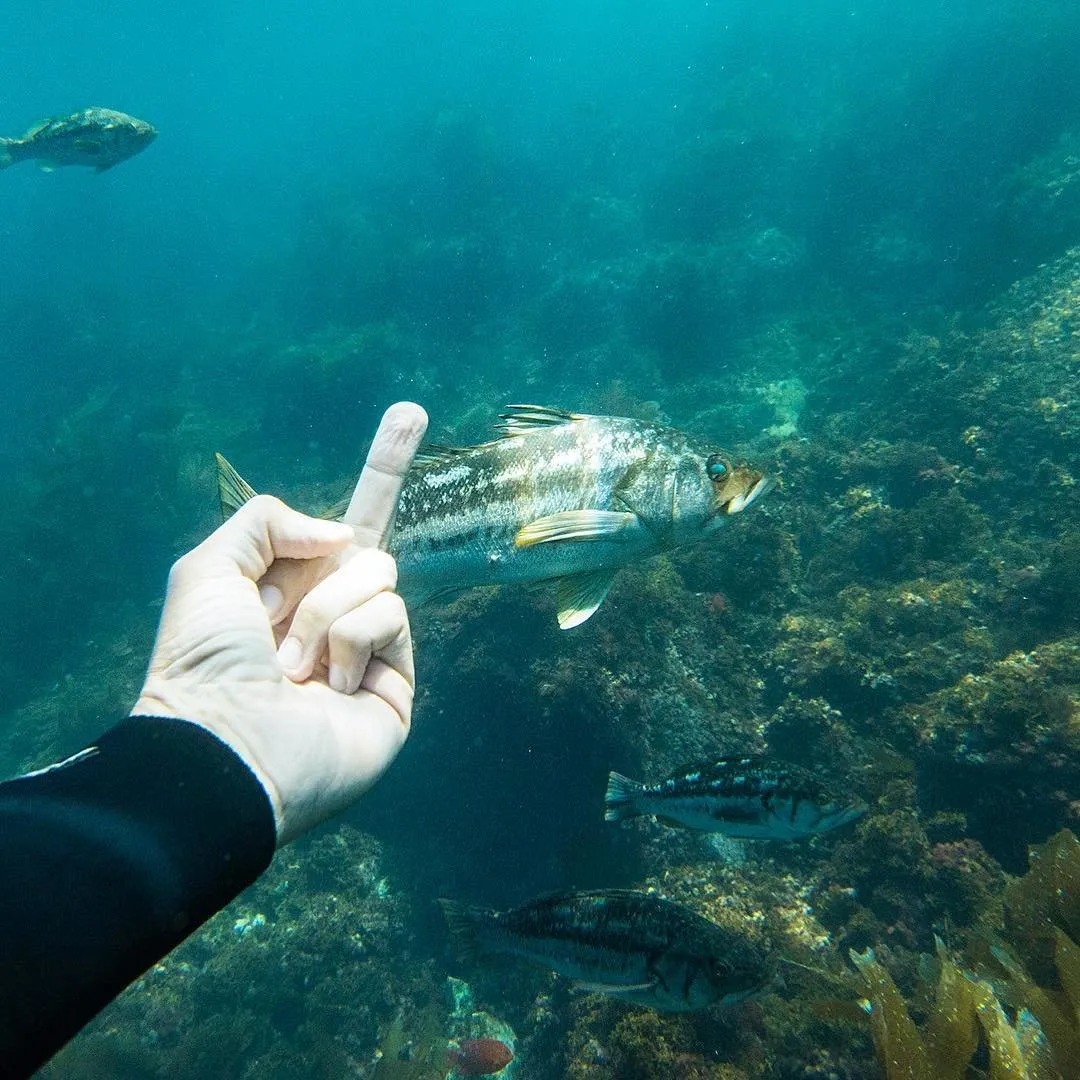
841, 239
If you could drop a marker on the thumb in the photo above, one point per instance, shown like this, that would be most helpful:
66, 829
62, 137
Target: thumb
261, 532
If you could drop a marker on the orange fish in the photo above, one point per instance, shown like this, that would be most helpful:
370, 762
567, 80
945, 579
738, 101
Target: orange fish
479, 1057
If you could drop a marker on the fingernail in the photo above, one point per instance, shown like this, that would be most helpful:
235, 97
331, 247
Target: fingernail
290, 653
336, 678
272, 599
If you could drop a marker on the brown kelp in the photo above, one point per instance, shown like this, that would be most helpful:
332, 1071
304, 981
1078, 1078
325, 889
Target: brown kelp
1023, 1004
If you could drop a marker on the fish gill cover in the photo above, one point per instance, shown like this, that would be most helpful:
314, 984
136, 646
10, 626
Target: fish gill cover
843, 242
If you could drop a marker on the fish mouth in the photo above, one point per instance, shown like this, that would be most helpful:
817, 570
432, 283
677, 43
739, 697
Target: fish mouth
837, 816
738, 502
741, 502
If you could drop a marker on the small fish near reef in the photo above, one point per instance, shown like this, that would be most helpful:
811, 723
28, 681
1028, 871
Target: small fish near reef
630, 945
558, 496
748, 797
99, 138
478, 1057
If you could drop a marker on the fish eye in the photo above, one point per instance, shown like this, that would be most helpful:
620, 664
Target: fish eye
717, 468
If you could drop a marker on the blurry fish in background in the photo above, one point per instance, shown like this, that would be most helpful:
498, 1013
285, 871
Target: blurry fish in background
99, 138
627, 944
558, 496
748, 797
478, 1057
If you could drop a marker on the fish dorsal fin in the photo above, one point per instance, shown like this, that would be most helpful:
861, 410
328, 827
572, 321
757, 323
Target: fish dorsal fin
233, 489
579, 595
434, 454
710, 767
518, 419
336, 510
574, 525
40, 128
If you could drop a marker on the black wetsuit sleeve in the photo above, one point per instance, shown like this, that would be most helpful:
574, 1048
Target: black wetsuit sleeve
107, 863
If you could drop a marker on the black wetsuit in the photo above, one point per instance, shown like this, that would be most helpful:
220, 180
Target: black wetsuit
110, 861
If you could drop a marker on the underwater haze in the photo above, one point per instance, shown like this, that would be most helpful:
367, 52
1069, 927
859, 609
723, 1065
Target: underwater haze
841, 241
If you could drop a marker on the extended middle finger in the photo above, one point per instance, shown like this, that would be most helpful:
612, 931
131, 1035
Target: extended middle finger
374, 502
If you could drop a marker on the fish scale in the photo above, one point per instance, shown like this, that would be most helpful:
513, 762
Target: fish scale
741, 796
558, 496
628, 944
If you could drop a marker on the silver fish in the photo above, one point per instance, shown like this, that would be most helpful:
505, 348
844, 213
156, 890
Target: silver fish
630, 945
557, 496
743, 796
100, 138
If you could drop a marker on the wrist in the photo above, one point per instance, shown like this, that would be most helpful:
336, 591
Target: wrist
153, 702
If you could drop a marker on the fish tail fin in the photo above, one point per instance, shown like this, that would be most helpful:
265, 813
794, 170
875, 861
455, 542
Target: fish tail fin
465, 924
233, 489
619, 797
6, 156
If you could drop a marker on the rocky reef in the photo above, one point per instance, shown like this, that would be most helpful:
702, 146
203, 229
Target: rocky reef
901, 614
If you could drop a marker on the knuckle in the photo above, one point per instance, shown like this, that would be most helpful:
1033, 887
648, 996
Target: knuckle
263, 505
179, 569
379, 565
344, 636
396, 607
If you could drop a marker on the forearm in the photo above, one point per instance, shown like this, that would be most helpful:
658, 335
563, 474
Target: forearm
109, 862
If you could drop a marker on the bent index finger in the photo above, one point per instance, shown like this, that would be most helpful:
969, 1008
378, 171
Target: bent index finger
374, 501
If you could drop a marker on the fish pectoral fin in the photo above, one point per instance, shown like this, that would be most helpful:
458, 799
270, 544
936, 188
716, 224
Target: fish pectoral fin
46, 166
579, 595
233, 489
610, 988
574, 525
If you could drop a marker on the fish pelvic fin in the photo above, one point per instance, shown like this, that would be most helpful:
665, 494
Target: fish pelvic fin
465, 923
619, 797
574, 525
233, 489
579, 595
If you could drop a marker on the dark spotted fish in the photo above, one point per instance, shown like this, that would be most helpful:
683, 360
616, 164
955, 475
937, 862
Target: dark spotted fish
742, 796
557, 496
630, 945
99, 138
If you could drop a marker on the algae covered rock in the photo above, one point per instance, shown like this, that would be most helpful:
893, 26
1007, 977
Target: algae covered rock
1002, 747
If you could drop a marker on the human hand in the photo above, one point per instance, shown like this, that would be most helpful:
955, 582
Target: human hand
320, 719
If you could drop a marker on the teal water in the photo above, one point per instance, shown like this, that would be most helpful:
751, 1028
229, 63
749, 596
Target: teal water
838, 238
